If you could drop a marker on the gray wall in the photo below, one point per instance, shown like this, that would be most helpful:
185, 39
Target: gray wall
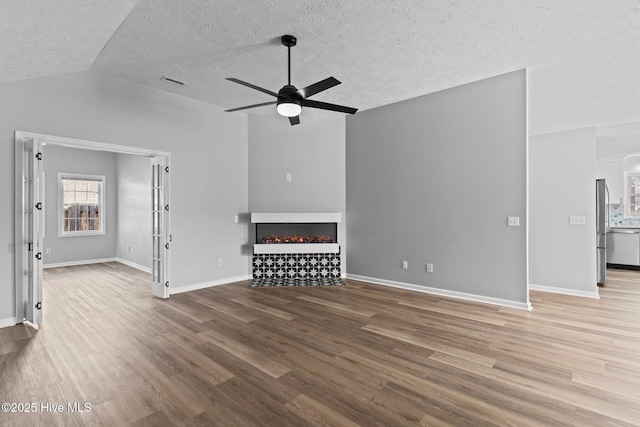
134, 210
313, 152
562, 183
208, 163
433, 180
80, 248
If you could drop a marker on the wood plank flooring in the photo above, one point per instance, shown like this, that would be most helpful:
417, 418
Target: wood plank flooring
356, 355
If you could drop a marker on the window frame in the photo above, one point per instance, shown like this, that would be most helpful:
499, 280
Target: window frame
101, 179
627, 195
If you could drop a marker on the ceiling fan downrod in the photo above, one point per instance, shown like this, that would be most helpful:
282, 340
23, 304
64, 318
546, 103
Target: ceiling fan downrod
289, 41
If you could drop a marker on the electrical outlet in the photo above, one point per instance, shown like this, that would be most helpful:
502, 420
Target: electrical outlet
47, 251
219, 262
405, 265
235, 218
429, 268
287, 177
514, 221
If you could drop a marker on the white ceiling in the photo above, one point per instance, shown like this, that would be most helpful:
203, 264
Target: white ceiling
583, 56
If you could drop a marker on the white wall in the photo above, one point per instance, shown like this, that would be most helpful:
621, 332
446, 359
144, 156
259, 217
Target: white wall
80, 248
313, 152
631, 164
562, 257
208, 175
134, 210
433, 180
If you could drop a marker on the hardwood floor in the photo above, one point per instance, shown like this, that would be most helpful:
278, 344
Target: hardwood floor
357, 355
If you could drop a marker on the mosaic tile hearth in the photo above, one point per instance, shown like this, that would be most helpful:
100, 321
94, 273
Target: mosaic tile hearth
322, 281
296, 269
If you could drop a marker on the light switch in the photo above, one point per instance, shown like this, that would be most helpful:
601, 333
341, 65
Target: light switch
577, 220
514, 221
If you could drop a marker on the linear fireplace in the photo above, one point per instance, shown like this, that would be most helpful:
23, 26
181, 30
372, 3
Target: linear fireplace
296, 233
296, 249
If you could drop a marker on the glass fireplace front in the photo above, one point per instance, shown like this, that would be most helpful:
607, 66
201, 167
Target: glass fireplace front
275, 233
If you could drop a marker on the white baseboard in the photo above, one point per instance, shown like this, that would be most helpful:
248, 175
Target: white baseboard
85, 262
443, 292
134, 265
11, 321
197, 286
564, 291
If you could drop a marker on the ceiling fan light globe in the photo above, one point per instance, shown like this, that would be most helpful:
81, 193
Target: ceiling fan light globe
289, 109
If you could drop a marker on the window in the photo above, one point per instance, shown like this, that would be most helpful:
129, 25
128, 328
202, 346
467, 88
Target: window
633, 195
81, 205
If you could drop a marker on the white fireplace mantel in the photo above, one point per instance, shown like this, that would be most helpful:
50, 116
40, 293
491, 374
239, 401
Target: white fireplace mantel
295, 248
291, 217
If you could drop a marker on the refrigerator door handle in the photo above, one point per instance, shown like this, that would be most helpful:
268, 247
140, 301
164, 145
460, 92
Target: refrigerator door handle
608, 204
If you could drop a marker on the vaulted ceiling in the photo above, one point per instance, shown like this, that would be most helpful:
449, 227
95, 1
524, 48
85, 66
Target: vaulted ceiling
582, 56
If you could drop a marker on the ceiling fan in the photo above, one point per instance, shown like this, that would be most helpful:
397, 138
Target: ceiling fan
290, 99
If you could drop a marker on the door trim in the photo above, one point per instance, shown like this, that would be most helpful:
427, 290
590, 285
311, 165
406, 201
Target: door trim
27, 237
19, 138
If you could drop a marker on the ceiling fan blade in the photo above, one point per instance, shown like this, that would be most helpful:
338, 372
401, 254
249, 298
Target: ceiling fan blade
319, 87
327, 106
251, 106
267, 91
294, 120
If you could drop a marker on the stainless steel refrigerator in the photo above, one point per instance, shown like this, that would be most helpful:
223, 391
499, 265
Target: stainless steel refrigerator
602, 202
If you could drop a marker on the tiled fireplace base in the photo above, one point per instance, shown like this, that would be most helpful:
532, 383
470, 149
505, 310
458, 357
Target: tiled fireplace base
322, 281
317, 269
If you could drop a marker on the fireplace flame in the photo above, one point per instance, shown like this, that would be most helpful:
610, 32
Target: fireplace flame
297, 239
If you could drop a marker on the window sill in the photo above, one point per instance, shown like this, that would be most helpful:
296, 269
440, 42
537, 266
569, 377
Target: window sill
83, 234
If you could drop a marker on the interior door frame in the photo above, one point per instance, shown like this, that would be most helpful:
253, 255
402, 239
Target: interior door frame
28, 229
160, 237
20, 137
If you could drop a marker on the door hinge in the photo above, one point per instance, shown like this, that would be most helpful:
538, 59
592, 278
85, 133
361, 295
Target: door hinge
39, 255
39, 156
166, 169
39, 305
30, 246
39, 206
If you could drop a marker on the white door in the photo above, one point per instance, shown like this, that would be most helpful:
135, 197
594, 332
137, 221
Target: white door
160, 227
29, 201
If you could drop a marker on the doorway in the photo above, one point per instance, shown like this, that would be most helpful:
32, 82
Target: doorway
29, 207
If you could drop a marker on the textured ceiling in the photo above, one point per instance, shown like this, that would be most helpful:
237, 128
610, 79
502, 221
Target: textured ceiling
617, 141
42, 37
583, 56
